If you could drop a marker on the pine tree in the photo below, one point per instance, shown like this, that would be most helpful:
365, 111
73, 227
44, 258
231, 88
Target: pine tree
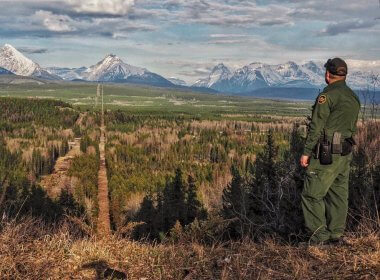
68, 204
146, 214
174, 201
235, 204
264, 189
193, 205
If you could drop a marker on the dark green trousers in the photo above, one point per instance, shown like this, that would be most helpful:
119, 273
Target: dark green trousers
325, 197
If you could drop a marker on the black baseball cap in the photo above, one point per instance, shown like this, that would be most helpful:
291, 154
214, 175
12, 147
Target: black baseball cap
336, 66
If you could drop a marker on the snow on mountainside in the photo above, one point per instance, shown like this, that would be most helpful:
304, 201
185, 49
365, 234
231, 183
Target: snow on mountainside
259, 75
177, 81
13, 60
359, 79
5, 71
113, 69
219, 73
67, 73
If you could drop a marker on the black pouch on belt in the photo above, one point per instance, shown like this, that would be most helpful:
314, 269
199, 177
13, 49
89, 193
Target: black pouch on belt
347, 146
325, 153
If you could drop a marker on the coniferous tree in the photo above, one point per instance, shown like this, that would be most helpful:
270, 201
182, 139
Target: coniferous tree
159, 221
290, 176
235, 204
174, 201
193, 205
264, 188
146, 214
68, 204
364, 185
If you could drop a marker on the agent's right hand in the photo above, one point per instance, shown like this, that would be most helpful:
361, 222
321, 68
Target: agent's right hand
304, 160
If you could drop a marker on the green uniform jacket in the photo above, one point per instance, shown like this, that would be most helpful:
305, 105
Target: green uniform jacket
335, 110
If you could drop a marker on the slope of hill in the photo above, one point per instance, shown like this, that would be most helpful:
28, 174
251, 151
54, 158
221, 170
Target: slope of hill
19, 80
61, 255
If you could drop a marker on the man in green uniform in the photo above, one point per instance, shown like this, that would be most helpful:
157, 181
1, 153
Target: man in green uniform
325, 193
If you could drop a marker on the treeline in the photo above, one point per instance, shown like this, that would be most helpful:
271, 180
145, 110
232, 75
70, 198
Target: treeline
43, 163
263, 198
21, 196
140, 161
17, 112
364, 192
34, 133
84, 173
266, 200
176, 203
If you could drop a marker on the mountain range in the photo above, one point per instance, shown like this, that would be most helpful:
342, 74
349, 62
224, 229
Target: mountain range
112, 69
259, 76
254, 79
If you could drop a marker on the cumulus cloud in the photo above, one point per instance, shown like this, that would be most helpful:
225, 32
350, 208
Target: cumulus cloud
111, 7
55, 23
345, 27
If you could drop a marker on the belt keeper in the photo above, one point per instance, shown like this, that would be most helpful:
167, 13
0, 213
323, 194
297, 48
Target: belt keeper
337, 143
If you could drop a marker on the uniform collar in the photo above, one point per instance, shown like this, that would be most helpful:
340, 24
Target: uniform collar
336, 85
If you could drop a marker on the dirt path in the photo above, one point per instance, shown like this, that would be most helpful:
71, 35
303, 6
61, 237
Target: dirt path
58, 180
104, 225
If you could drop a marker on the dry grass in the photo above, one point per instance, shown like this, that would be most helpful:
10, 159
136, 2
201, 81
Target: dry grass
29, 250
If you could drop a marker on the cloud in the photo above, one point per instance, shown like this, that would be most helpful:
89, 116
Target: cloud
364, 65
30, 50
188, 68
55, 23
337, 28
196, 72
224, 35
111, 7
227, 12
227, 39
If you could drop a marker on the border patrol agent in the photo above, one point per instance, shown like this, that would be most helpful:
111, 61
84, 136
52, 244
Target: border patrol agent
327, 156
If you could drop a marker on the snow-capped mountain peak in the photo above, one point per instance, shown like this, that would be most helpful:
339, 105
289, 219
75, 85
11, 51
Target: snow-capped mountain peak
14, 61
112, 67
258, 75
111, 59
219, 73
177, 81
221, 67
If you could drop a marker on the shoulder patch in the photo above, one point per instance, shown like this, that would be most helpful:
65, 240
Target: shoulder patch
322, 99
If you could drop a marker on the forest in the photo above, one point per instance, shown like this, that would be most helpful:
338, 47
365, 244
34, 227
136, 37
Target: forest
173, 179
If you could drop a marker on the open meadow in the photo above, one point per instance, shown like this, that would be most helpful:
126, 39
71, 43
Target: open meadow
145, 100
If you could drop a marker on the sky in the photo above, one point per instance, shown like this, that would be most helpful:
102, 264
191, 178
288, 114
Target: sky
187, 38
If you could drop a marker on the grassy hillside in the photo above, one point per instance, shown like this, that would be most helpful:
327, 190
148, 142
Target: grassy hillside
30, 250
